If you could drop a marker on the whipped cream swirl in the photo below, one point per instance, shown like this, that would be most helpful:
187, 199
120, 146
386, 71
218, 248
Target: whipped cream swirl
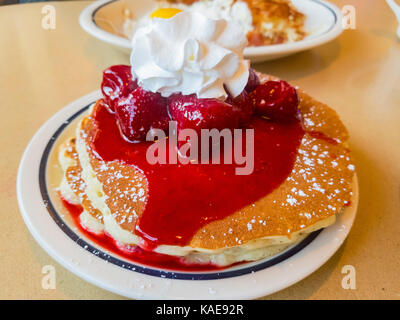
190, 53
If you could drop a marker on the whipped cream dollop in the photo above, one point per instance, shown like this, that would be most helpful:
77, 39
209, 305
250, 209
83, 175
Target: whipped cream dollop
190, 53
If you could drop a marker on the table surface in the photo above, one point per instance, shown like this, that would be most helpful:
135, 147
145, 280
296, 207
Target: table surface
358, 74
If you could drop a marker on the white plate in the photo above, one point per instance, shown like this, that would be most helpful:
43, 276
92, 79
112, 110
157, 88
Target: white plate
49, 223
103, 19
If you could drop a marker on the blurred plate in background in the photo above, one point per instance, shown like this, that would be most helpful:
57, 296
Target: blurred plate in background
105, 19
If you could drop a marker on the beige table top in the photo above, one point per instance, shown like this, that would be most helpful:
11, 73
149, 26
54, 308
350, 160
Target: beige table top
358, 74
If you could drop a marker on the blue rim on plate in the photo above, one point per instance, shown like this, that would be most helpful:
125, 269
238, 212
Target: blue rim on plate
138, 268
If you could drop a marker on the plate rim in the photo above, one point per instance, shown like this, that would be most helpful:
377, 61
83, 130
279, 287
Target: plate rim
87, 22
44, 229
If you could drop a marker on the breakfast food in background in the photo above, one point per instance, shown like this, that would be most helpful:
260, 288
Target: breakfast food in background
265, 22
198, 216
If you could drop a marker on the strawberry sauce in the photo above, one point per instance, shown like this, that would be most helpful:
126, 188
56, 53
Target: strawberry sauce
135, 254
183, 198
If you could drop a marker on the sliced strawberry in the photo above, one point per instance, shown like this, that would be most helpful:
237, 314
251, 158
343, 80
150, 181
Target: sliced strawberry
197, 114
253, 81
193, 113
117, 83
276, 100
139, 112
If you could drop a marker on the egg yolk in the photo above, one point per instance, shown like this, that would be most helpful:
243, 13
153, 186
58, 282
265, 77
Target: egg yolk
165, 13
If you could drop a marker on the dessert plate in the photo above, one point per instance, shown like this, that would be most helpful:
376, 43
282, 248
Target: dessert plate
52, 227
104, 20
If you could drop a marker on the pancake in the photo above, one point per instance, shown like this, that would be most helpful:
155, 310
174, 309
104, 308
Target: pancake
113, 194
72, 187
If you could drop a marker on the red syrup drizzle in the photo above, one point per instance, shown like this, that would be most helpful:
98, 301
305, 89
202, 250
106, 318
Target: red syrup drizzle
135, 254
183, 198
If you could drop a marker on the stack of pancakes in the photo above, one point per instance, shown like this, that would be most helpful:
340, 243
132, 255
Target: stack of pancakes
113, 195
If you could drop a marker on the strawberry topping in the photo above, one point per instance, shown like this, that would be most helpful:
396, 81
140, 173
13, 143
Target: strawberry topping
276, 100
193, 113
253, 81
117, 83
139, 112
243, 105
